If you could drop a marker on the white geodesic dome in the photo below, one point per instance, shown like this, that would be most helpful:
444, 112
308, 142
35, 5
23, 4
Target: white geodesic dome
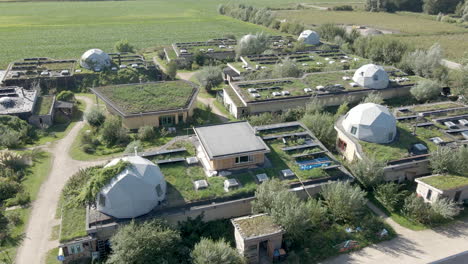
247, 39
95, 59
371, 76
370, 122
133, 192
309, 37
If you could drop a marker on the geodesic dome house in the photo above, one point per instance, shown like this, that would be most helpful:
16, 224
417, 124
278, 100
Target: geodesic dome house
95, 59
370, 122
134, 191
309, 37
371, 76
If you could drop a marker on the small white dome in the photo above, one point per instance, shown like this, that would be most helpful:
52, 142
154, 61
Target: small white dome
309, 37
133, 192
371, 76
370, 122
95, 59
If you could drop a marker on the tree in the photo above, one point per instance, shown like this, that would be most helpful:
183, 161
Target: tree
208, 251
415, 208
342, 110
113, 133
426, 63
434, 7
460, 82
265, 195
425, 90
369, 171
66, 96
286, 68
374, 97
210, 77
95, 117
146, 133
252, 44
444, 209
123, 46
14, 131
172, 69
390, 195
330, 31
147, 242
446, 160
322, 125
134, 146
343, 201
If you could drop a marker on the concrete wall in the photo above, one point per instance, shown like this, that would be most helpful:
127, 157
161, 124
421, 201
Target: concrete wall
350, 152
230, 105
407, 171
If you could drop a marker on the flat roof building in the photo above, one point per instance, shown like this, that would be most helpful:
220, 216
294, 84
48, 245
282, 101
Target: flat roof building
17, 101
451, 187
230, 146
150, 104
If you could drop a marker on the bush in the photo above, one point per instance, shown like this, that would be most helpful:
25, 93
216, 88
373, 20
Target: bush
123, 46
434, 7
88, 148
380, 50
416, 209
329, 31
208, 251
14, 131
172, 69
130, 149
95, 117
369, 171
322, 126
343, 201
287, 68
425, 63
253, 44
113, 133
146, 133
425, 90
266, 118
390, 195
343, 8
8, 189
210, 77
66, 96
374, 97
444, 209
446, 160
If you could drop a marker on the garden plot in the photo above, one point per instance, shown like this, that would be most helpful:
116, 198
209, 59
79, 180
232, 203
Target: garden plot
40, 67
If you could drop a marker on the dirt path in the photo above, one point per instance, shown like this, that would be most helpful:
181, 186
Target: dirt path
210, 101
452, 65
36, 243
412, 247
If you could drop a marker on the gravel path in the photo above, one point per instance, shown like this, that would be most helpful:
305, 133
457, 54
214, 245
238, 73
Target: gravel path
412, 247
210, 101
36, 243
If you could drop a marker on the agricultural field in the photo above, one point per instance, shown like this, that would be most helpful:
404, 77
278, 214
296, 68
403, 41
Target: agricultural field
66, 29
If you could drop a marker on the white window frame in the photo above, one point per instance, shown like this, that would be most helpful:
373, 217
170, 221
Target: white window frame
238, 159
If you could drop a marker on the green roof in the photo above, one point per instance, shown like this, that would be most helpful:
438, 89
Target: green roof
445, 182
43, 105
147, 97
253, 226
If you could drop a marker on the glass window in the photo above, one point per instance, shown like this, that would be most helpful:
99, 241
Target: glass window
428, 194
243, 159
102, 200
159, 190
166, 120
353, 130
457, 196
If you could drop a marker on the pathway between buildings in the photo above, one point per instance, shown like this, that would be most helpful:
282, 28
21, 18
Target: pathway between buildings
411, 247
36, 243
452, 65
210, 101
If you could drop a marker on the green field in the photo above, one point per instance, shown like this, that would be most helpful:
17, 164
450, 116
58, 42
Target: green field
67, 29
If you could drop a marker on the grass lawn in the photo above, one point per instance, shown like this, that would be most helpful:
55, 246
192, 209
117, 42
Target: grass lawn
151, 97
63, 29
445, 182
51, 257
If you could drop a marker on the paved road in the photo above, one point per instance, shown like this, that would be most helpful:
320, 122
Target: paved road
461, 258
42, 219
412, 247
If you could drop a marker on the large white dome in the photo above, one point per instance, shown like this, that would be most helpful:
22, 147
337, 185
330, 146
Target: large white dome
309, 37
95, 59
371, 76
134, 191
371, 122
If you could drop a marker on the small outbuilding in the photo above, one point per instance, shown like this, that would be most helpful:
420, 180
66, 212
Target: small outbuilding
257, 233
230, 146
95, 59
133, 192
309, 37
371, 76
450, 187
370, 122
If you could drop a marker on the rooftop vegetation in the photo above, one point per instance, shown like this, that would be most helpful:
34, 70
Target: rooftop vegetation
149, 97
445, 182
43, 105
257, 225
400, 147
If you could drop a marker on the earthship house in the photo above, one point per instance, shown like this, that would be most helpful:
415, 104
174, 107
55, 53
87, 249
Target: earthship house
95, 60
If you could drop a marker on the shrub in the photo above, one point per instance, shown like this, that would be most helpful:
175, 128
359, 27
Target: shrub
113, 133
444, 209
210, 77
343, 8
146, 133
8, 189
329, 31
446, 160
343, 201
287, 68
369, 171
123, 46
66, 96
265, 119
14, 131
10, 159
381, 49
88, 148
255, 44
95, 117
322, 126
390, 195
425, 63
209, 251
374, 97
130, 149
425, 90
434, 7
172, 69
416, 209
